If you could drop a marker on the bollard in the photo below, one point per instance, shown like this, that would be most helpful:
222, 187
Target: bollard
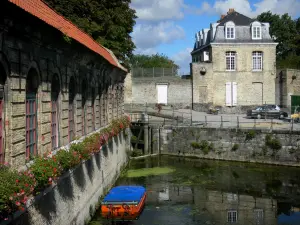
237, 122
254, 123
206, 121
271, 124
292, 127
221, 121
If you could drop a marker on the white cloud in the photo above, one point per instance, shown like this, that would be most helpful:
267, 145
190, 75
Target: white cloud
291, 7
147, 36
183, 60
146, 51
154, 10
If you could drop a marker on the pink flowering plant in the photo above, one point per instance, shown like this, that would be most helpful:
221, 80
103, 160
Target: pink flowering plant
17, 187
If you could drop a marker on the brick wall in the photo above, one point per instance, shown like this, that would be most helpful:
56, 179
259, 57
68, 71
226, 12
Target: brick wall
28, 47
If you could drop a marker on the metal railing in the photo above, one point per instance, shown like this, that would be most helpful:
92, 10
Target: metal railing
154, 72
186, 117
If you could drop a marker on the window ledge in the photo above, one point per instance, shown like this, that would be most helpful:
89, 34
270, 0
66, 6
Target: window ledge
257, 70
230, 70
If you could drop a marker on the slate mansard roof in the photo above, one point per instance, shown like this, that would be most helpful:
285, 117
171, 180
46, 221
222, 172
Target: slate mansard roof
43, 12
216, 33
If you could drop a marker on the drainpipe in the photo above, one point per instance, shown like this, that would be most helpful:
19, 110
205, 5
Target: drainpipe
192, 83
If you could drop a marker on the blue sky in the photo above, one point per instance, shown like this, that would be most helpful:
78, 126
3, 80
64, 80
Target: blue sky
169, 26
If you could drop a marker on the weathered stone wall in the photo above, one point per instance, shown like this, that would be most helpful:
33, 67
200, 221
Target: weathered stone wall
32, 51
144, 91
74, 198
232, 144
287, 86
253, 88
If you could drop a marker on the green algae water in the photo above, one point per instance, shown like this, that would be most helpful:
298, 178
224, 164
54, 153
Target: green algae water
184, 191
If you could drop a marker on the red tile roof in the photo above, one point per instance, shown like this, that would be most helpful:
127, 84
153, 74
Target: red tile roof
42, 11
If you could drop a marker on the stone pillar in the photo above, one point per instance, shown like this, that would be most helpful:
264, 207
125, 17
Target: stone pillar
146, 139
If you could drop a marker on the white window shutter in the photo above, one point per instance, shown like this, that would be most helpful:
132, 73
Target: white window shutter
234, 93
228, 94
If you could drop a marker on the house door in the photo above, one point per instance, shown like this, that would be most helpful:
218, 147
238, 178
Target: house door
231, 94
295, 103
162, 93
257, 93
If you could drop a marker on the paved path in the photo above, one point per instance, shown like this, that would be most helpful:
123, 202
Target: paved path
224, 120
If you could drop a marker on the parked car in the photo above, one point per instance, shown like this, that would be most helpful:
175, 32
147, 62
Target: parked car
267, 111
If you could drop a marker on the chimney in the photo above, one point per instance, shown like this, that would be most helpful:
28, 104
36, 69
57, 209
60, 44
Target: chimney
231, 10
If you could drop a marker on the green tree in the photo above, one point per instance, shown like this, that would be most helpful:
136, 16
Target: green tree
149, 61
283, 29
109, 22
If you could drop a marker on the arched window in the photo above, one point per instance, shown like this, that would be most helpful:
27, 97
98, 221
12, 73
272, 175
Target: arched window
83, 106
93, 110
3, 77
72, 94
32, 84
230, 30
100, 104
55, 90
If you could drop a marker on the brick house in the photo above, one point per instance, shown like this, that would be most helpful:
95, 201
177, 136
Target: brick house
233, 64
57, 83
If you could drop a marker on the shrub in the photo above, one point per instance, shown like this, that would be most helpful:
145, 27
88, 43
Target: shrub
272, 143
45, 171
250, 135
235, 147
195, 145
15, 188
136, 153
68, 159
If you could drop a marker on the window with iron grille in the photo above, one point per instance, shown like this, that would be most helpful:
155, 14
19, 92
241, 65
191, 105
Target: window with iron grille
83, 106
230, 61
72, 91
257, 61
232, 216
55, 89
2, 83
93, 110
259, 216
1, 132
31, 113
230, 32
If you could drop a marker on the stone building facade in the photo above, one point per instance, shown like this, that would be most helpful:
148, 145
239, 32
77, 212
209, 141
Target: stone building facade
233, 64
288, 89
57, 83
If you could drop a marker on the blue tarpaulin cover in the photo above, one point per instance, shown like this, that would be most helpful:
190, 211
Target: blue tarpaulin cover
125, 194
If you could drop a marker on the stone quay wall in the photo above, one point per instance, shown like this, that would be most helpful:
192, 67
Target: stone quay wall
246, 145
74, 198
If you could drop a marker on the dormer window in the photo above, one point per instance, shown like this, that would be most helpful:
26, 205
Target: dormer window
230, 30
256, 30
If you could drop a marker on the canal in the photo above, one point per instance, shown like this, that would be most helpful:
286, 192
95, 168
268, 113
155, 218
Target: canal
193, 191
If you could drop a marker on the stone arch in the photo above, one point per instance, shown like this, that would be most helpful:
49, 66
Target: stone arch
84, 97
4, 72
32, 87
71, 117
55, 106
35, 67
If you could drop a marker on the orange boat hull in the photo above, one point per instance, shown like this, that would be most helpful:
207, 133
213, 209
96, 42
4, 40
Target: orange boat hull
123, 212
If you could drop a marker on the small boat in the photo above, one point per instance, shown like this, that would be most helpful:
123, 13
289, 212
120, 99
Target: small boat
124, 203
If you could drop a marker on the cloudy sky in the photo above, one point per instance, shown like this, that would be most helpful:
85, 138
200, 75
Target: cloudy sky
169, 26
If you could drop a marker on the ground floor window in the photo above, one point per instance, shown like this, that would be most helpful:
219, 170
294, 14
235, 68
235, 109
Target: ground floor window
31, 124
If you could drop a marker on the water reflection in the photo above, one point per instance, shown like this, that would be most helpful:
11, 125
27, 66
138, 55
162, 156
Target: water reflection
207, 192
